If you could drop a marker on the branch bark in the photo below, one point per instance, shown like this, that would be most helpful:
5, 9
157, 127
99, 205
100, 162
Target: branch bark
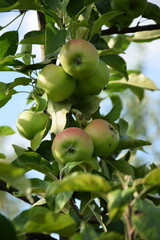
115, 30
12, 191
38, 236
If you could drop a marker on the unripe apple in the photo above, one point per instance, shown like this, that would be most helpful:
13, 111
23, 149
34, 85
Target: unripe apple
79, 58
29, 123
104, 135
72, 145
94, 83
131, 8
56, 82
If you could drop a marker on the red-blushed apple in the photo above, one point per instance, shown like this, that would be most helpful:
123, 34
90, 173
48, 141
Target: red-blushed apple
72, 145
94, 83
104, 135
56, 82
29, 123
79, 58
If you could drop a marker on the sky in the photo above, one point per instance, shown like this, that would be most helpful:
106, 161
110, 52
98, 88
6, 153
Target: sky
10, 112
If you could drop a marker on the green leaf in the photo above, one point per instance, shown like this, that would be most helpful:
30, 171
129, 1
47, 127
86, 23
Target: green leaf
6, 229
54, 39
152, 11
2, 156
20, 81
82, 182
110, 235
88, 105
58, 113
41, 102
26, 50
22, 5
74, 7
39, 219
131, 143
34, 37
117, 63
15, 177
102, 20
135, 80
45, 150
115, 112
88, 233
145, 219
5, 130
146, 36
33, 160
152, 178
88, 2
57, 202
117, 201
8, 43
38, 185
18, 150
122, 166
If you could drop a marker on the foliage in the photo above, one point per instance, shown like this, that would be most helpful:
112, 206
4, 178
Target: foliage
113, 200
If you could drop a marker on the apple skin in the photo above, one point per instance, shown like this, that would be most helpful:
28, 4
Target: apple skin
29, 123
56, 82
79, 58
104, 135
72, 145
94, 83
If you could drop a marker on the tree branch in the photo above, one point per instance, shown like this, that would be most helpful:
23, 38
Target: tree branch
12, 191
38, 236
115, 30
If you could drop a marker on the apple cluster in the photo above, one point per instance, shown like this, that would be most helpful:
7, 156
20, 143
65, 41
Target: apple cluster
81, 73
99, 138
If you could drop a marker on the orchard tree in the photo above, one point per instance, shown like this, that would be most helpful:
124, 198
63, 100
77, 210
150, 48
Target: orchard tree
90, 190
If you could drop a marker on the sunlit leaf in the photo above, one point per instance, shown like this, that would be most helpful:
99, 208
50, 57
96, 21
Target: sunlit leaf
146, 36
145, 219
15, 177
58, 113
5, 130
135, 80
152, 178
39, 219
82, 182
117, 201
33, 160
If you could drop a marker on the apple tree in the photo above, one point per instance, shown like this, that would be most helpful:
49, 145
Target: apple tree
90, 188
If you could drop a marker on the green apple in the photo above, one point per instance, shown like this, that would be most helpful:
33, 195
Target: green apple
94, 83
131, 9
56, 82
79, 58
29, 123
104, 135
72, 145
